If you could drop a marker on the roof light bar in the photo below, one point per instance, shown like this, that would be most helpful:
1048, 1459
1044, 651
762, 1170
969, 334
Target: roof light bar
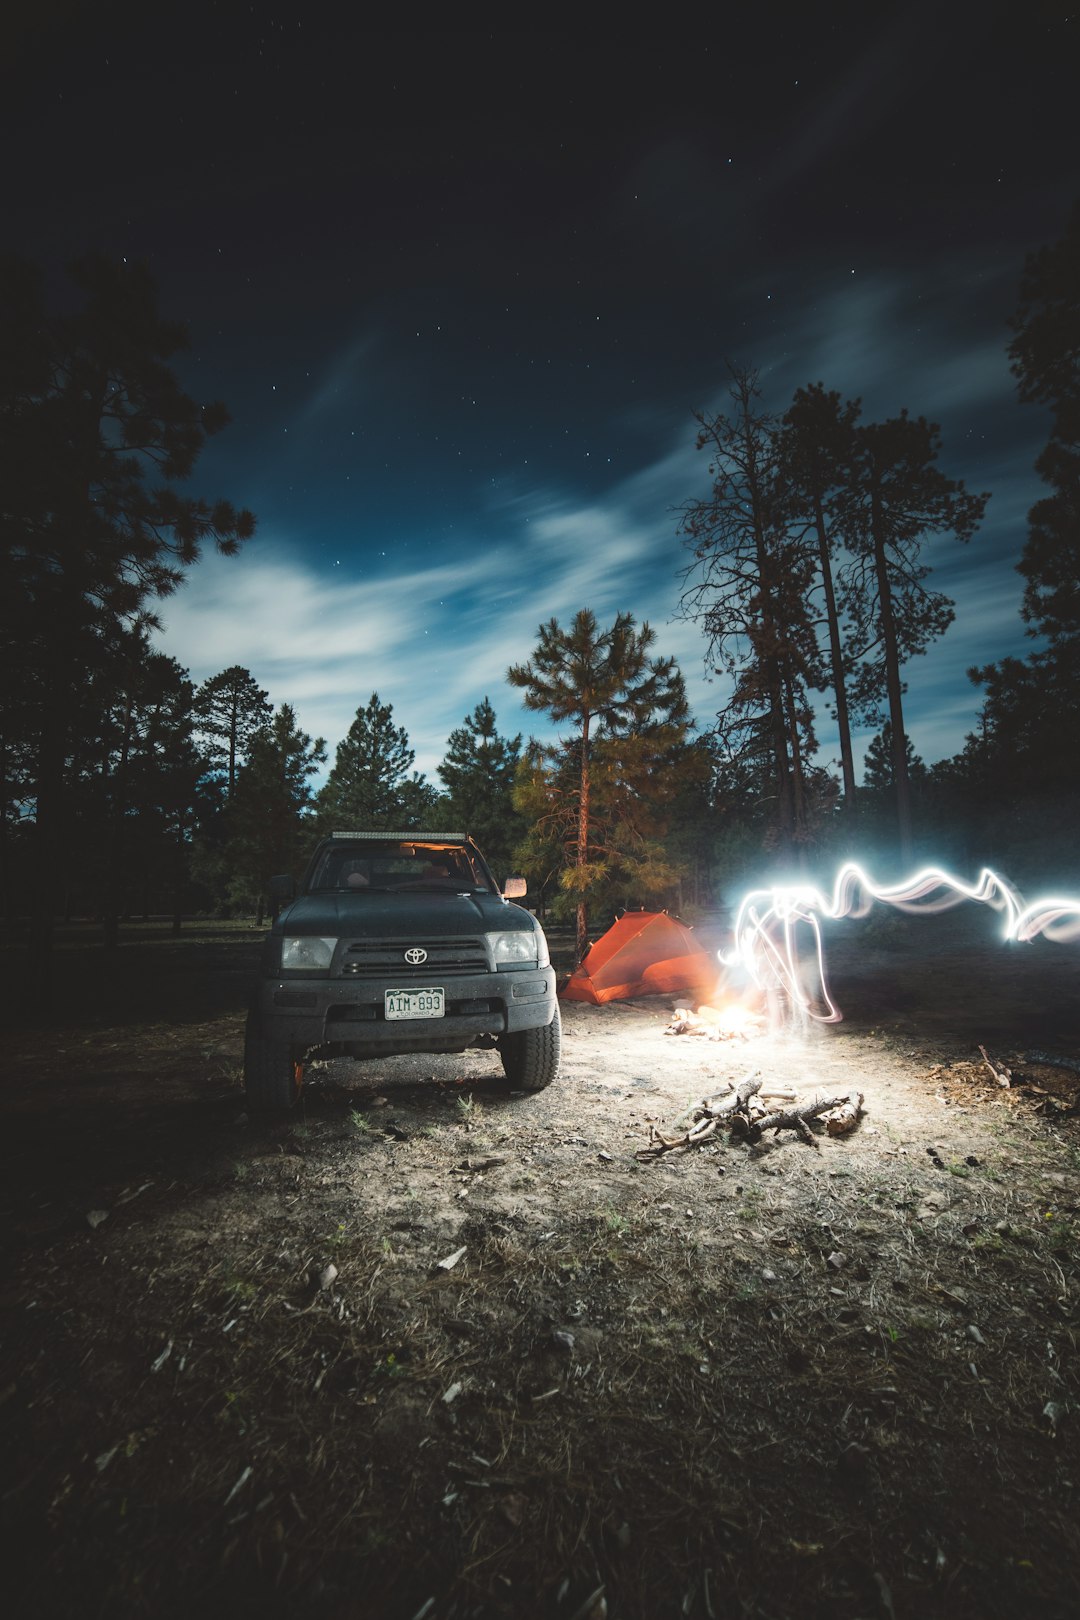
407, 837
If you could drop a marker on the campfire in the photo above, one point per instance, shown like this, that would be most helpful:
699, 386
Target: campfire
734, 1022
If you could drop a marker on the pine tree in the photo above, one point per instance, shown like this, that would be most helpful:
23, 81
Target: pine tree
897, 496
231, 708
628, 712
748, 587
370, 787
150, 785
1045, 356
815, 452
478, 773
879, 766
270, 818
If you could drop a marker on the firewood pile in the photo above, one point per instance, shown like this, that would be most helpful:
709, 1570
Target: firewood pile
748, 1110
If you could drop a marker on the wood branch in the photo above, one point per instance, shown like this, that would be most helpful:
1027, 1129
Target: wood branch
795, 1119
1001, 1074
737, 1101
743, 1112
658, 1143
709, 1117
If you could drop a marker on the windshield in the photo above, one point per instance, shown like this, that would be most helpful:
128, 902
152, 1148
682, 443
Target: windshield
356, 868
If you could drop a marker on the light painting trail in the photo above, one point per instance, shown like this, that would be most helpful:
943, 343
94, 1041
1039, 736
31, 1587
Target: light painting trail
768, 921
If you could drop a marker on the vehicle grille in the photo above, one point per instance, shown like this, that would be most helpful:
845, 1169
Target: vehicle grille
378, 959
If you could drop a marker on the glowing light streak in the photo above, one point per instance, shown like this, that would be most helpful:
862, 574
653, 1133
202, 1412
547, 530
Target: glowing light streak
768, 921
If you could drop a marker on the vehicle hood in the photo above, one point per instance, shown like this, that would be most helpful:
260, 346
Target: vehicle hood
426, 913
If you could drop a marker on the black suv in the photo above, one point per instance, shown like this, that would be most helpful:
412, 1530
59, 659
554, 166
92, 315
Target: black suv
399, 942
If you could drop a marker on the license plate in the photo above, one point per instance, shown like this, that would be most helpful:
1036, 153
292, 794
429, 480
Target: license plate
427, 1003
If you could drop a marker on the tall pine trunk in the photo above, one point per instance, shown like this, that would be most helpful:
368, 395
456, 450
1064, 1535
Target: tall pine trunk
798, 779
785, 807
48, 808
893, 684
836, 659
583, 845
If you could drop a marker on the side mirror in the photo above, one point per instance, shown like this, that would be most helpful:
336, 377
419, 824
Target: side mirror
515, 888
282, 889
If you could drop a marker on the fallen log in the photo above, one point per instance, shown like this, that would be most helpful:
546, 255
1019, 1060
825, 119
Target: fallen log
846, 1117
738, 1100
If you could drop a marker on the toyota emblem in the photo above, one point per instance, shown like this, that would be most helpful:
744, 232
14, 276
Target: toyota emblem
415, 955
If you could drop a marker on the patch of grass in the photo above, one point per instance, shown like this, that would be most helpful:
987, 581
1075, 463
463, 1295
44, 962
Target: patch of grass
238, 1288
1061, 1233
233, 1414
988, 1243
359, 1121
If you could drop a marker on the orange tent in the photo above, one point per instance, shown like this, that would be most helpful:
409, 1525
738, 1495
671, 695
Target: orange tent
644, 953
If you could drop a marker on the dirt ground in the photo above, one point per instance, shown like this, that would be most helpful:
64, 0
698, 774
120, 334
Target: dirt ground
430, 1351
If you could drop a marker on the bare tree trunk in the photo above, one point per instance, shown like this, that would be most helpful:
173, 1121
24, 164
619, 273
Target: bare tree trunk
48, 797
836, 659
784, 797
110, 931
798, 781
777, 720
893, 686
234, 726
178, 876
583, 844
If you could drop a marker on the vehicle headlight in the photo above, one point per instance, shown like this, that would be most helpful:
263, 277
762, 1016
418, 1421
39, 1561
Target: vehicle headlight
518, 947
306, 953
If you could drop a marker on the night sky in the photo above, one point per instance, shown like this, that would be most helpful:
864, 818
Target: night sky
462, 293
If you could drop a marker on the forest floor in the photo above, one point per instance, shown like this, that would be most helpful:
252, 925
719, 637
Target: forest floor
776, 1380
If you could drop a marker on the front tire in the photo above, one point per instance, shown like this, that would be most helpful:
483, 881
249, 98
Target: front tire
530, 1057
273, 1074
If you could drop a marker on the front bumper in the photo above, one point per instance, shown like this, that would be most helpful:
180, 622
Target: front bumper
349, 1016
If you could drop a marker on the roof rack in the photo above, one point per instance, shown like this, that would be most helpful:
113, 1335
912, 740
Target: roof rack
408, 837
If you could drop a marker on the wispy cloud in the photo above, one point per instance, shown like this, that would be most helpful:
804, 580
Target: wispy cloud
435, 639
